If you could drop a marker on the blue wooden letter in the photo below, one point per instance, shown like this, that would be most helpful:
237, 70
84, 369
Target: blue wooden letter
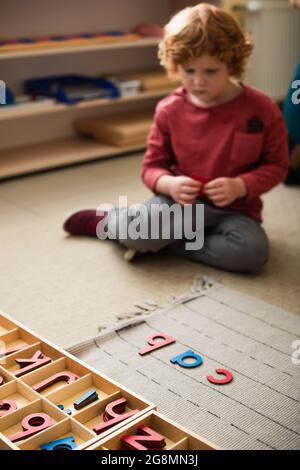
180, 360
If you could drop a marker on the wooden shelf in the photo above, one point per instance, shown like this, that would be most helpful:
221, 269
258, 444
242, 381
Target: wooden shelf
23, 111
48, 155
146, 42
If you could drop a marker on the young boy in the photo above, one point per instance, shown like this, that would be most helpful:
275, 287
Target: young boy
214, 141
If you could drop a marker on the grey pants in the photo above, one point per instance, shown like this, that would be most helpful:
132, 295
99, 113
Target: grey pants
232, 241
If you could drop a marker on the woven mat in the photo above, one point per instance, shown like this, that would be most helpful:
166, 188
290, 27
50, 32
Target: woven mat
260, 409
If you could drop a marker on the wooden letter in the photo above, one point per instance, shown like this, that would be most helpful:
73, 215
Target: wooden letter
33, 424
7, 406
150, 438
157, 345
227, 379
67, 443
28, 365
12, 350
61, 376
113, 415
86, 399
180, 360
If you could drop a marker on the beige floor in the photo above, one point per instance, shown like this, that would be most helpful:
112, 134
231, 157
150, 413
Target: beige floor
65, 288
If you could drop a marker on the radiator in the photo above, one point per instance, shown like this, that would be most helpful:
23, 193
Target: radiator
275, 27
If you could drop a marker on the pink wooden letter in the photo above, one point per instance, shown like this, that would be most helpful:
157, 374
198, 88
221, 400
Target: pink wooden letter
28, 365
7, 406
61, 376
150, 438
113, 415
33, 424
157, 345
227, 379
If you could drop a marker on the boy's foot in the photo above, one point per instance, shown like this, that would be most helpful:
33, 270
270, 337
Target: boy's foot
84, 222
130, 254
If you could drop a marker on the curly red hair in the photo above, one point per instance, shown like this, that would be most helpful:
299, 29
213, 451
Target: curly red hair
204, 29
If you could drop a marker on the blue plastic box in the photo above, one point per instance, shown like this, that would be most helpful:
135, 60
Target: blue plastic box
72, 89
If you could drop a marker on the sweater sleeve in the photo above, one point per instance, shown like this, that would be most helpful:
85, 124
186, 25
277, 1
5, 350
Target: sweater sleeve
159, 154
273, 167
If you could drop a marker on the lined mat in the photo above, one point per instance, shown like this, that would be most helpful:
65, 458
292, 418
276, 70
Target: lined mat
260, 409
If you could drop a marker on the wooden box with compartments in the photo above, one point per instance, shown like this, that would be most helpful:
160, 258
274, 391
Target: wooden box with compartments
47, 396
50, 400
153, 431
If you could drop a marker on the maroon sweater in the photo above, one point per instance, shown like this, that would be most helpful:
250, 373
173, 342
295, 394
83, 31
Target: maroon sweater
244, 137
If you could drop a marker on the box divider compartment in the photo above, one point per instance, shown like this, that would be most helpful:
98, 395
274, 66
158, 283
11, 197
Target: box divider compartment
6, 324
28, 352
67, 427
181, 445
6, 376
175, 436
95, 410
18, 392
8, 362
60, 365
18, 337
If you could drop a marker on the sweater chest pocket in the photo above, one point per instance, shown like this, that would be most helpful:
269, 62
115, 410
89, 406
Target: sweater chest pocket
246, 148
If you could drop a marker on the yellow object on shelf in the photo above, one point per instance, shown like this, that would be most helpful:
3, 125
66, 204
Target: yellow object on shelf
120, 130
151, 80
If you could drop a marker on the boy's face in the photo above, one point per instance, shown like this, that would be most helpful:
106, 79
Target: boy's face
206, 77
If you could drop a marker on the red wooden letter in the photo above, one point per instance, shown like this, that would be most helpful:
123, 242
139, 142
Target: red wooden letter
12, 350
113, 415
160, 344
228, 377
28, 365
33, 424
61, 376
150, 438
7, 406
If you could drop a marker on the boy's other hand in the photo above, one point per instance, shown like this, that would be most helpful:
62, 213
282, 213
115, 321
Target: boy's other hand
183, 189
223, 191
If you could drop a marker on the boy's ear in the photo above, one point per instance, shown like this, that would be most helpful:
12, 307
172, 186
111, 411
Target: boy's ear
175, 76
175, 73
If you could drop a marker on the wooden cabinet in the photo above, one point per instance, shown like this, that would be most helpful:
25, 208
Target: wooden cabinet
35, 137
41, 136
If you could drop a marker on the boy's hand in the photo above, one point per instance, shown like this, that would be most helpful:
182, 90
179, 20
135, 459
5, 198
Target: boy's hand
183, 189
223, 191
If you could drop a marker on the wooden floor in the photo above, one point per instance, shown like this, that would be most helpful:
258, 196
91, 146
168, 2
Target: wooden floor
65, 288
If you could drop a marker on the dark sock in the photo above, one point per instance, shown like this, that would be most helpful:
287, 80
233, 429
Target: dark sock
84, 222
